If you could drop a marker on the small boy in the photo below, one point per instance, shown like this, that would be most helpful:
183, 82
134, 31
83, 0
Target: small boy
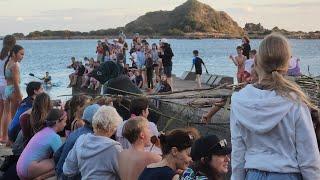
197, 62
239, 61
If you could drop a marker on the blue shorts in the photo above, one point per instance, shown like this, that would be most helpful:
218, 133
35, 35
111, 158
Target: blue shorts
253, 174
8, 91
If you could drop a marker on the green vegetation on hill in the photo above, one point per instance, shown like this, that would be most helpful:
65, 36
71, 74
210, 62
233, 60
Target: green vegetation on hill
190, 17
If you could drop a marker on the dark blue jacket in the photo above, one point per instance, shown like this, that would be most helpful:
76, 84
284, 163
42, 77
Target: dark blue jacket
14, 126
62, 153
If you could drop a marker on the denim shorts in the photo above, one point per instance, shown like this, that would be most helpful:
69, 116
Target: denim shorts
167, 70
253, 174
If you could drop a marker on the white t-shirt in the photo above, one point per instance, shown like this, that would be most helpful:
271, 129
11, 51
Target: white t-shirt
248, 64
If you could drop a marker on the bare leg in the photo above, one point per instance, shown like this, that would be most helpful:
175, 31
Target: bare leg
5, 119
40, 168
1, 115
198, 80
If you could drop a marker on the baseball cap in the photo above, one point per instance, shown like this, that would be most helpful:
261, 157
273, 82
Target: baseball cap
89, 112
209, 145
164, 40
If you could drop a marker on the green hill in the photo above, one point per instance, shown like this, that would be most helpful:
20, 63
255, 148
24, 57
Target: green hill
189, 18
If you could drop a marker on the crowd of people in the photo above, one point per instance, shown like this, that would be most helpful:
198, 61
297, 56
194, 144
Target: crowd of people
273, 133
150, 68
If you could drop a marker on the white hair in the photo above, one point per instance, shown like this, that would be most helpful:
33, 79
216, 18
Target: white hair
106, 119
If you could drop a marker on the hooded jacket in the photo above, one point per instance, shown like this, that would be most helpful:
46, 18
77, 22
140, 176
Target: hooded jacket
272, 133
95, 157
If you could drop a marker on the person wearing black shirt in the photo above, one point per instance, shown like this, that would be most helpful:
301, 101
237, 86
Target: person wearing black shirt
166, 55
246, 46
197, 63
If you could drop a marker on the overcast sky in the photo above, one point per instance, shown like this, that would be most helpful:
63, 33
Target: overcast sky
85, 15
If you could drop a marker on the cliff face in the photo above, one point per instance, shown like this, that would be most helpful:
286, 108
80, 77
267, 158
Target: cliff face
190, 17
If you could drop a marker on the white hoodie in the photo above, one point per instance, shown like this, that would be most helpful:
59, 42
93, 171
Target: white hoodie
271, 133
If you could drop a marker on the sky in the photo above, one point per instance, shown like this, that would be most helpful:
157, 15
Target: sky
85, 15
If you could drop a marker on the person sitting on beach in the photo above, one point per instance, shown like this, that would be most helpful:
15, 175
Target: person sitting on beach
132, 76
139, 107
33, 120
294, 67
175, 147
248, 66
88, 69
133, 160
76, 104
138, 79
61, 155
33, 89
210, 158
95, 156
272, 133
162, 86
73, 63
239, 61
35, 161
197, 63
80, 70
47, 79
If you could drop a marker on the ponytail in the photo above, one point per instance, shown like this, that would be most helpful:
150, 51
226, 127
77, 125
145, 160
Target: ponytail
271, 65
8, 42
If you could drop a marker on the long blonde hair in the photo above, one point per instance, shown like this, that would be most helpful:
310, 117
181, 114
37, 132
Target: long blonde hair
272, 62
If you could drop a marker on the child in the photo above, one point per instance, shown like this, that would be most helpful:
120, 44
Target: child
35, 161
248, 66
197, 62
239, 62
136, 131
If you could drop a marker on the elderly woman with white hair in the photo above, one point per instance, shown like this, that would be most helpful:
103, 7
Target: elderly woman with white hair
95, 155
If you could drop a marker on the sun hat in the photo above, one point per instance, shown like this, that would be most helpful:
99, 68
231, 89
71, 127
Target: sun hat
89, 112
208, 146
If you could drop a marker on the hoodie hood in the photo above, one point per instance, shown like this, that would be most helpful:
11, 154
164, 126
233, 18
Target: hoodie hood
93, 145
259, 110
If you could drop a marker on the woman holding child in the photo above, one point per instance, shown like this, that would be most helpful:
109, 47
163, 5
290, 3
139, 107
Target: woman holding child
272, 134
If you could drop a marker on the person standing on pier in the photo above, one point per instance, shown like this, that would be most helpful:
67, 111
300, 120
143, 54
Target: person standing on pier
197, 63
8, 42
239, 61
166, 55
246, 46
12, 93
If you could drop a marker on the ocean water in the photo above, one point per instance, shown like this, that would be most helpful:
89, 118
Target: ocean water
54, 56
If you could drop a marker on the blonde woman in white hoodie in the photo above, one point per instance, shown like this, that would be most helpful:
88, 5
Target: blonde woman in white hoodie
272, 133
